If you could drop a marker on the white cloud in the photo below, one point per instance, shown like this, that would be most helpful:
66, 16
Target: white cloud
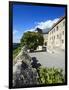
15, 31
16, 36
32, 29
44, 25
47, 24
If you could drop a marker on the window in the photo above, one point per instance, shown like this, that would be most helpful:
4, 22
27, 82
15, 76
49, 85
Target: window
62, 41
57, 36
57, 28
54, 29
63, 32
45, 43
54, 37
63, 23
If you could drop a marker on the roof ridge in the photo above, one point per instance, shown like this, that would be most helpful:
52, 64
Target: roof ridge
61, 18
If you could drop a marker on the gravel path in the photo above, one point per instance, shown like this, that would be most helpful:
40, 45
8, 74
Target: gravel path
50, 60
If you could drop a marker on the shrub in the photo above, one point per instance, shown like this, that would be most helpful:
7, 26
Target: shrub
16, 51
50, 75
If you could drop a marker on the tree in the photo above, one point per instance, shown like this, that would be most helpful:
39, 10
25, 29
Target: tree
32, 40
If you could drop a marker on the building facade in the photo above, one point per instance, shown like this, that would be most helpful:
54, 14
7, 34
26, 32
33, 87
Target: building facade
54, 39
45, 36
56, 36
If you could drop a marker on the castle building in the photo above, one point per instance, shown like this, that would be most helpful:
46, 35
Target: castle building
56, 36
54, 39
45, 36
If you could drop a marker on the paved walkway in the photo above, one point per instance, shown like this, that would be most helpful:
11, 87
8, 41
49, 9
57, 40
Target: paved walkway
50, 60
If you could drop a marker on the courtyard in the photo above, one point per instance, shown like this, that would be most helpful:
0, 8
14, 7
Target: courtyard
47, 59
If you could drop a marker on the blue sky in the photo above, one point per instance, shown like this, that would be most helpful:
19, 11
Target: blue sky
28, 17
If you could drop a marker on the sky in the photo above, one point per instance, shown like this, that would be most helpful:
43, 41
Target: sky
29, 17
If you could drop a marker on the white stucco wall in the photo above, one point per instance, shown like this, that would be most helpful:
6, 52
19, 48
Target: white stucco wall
56, 38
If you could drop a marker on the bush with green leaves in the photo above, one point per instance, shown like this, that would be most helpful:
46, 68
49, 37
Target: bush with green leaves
50, 75
32, 40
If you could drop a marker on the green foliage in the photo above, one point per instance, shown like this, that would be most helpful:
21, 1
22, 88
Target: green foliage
16, 51
50, 75
16, 45
32, 40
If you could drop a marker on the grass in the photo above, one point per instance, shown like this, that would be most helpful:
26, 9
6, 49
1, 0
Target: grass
16, 52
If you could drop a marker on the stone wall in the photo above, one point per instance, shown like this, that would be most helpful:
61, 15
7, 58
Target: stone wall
23, 72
